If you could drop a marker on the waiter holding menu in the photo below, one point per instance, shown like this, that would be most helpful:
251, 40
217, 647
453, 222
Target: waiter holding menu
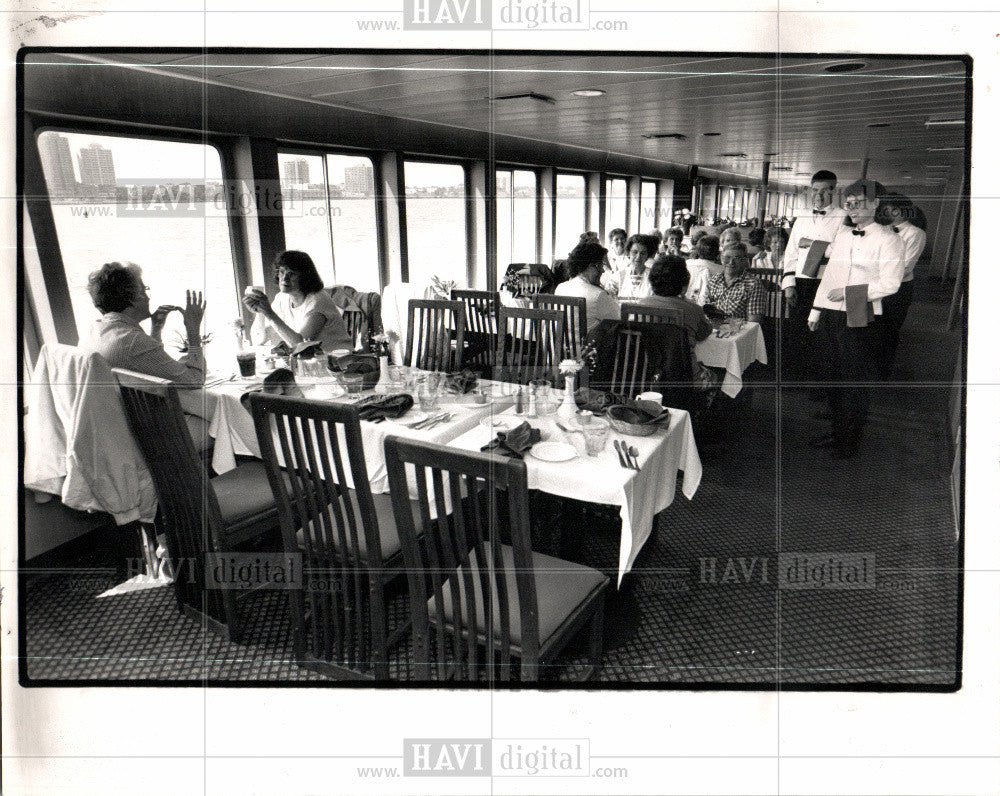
866, 265
811, 235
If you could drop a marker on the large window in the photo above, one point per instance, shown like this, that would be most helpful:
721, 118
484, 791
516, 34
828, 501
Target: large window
648, 220
615, 204
517, 217
571, 218
328, 210
435, 221
160, 204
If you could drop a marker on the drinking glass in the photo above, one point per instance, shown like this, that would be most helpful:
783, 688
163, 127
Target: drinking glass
542, 389
595, 435
429, 391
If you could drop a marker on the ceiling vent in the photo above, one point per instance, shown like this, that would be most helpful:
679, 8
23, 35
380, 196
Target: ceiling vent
732, 154
530, 96
658, 136
846, 66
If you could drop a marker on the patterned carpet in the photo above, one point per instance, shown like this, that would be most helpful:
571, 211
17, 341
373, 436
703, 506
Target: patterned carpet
704, 605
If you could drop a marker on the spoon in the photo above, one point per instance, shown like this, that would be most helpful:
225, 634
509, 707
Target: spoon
618, 450
634, 453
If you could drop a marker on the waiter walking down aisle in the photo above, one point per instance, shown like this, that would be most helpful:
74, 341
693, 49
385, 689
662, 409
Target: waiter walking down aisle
802, 267
866, 265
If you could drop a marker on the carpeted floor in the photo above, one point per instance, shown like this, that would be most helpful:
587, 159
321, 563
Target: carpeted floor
707, 602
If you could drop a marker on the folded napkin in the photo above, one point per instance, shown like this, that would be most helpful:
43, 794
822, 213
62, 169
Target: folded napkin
596, 401
389, 406
515, 442
280, 381
461, 383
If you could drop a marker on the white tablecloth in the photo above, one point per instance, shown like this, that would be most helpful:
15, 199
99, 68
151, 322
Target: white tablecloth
233, 429
735, 354
601, 479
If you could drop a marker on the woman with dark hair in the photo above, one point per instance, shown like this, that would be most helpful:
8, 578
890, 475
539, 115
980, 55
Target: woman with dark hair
668, 278
303, 310
775, 241
633, 283
755, 241
673, 240
703, 266
585, 264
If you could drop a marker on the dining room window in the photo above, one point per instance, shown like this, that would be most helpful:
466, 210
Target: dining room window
435, 221
353, 226
517, 217
615, 203
571, 217
648, 220
304, 209
155, 202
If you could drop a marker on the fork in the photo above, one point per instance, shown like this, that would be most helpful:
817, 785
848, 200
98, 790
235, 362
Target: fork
442, 419
427, 421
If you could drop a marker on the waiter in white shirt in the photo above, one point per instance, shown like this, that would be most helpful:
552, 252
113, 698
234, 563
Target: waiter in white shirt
821, 223
865, 266
899, 212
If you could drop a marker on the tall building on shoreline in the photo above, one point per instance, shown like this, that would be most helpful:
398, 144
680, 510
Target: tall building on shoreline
358, 179
57, 163
296, 172
97, 165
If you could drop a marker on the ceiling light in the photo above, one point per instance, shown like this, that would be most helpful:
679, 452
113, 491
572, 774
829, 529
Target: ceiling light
781, 168
711, 135
675, 136
588, 92
894, 149
732, 154
878, 125
942, 122
945, 148
937, 166
529, 95
847, 66
770, 154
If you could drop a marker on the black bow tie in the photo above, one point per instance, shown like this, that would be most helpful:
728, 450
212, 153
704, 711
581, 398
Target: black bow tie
857, 232
895, 229
819, 212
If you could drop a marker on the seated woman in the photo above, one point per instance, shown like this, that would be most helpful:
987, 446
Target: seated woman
729, 236
775, 241
734, 292
633, 283
585, 264
673, 242
303, 310
755, 241
668, 278
703, 267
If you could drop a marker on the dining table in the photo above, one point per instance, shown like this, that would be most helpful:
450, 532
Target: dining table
641, 494
733, 351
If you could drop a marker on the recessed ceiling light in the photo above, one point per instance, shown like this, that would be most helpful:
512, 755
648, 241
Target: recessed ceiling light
942, 122
945, 148
937, 166
711, 135
675, 136
846, 66
907, 177
732, 154
878, 125
588, 92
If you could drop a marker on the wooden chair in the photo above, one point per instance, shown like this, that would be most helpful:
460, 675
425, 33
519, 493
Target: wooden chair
538, 603
347, 537
529, 344
480, 327
652, 356
355, 320
430, 327
771, 280
574, 310
203, 518
640, 312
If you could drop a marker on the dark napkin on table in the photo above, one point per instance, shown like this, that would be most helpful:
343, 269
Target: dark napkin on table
596, 401
461, 383
391, 407
515, 442
280, 381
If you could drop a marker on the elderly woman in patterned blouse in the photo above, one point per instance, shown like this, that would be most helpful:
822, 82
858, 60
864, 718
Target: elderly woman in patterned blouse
734, 292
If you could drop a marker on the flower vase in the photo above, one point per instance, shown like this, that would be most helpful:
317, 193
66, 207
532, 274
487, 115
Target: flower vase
567, 409
384, 379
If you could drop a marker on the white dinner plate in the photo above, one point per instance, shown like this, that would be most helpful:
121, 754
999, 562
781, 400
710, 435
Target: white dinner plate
500, 422
413, 416
553, 451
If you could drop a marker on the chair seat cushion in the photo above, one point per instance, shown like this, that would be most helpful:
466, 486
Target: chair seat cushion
244, 493
561, 587
388, 536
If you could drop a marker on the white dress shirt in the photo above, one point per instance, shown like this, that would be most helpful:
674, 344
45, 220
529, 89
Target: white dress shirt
914, 239
814, 227
874, 259
600, 306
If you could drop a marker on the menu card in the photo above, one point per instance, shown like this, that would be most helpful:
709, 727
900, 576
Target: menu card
859, 310
814, 257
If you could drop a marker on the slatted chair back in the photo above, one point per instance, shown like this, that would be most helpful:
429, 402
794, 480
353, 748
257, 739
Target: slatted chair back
189, 511
630, 371
314, 456
430, 327
479, 601
770, 278
529, 345
530, 285
355, 320
653, 356
574, 310
480, 323
643, 313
